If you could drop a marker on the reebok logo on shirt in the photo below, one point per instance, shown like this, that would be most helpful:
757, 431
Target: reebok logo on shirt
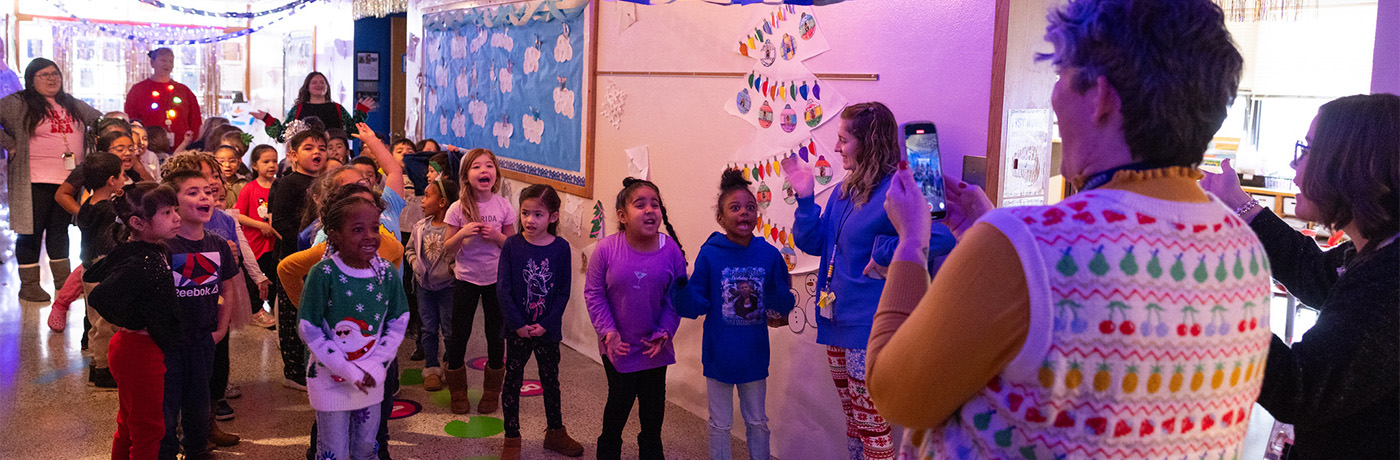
196, 273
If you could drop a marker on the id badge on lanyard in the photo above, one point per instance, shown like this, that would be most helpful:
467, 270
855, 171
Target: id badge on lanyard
70, 162
826, 303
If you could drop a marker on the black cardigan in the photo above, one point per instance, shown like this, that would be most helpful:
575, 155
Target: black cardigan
136, 291
1340, 385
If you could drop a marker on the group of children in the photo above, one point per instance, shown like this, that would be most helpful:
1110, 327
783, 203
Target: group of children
330, 232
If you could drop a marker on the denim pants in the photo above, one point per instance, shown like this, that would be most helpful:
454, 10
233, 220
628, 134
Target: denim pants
751, 406
186, 402
348, 434
386, 407
435, 310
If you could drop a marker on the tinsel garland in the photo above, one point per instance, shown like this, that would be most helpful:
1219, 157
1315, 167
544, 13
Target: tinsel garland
378, 8
133, 32
1264, 10
229, 14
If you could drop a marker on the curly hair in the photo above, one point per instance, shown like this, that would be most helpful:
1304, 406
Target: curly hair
731, 181
877, 134
191, 161
1172, 62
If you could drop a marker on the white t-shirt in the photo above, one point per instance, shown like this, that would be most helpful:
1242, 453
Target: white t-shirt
477, 259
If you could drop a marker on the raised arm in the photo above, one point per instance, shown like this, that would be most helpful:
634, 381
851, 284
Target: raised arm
375, 148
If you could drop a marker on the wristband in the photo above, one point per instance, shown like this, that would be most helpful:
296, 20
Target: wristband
1240, 211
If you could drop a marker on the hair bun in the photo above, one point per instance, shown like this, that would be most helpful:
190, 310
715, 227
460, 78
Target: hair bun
733, 179
629, 181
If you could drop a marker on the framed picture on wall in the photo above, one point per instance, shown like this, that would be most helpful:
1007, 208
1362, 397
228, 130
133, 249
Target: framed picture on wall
367, 66
522, 90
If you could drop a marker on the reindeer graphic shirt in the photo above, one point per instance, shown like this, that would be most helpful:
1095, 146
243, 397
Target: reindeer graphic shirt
352, 321
534, 285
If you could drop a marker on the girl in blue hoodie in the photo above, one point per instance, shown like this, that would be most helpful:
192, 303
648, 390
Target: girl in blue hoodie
856, 241
739, 283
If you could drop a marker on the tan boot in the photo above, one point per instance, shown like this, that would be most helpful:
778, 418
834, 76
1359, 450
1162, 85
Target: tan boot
61, 270
219, 438
432, 379
511, 449
491, 390
457, 386
559, 441
29, 288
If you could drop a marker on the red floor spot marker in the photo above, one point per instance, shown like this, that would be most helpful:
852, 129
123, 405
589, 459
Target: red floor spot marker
404, 408
531, 388
478, 363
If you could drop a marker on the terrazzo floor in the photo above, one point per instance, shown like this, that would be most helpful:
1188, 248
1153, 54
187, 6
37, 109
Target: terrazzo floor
47, 410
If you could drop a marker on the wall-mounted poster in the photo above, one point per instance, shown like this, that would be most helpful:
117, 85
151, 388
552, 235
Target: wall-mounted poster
516, 87
367, 66
1025, 165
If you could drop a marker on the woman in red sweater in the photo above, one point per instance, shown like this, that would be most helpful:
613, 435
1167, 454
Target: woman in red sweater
161, 101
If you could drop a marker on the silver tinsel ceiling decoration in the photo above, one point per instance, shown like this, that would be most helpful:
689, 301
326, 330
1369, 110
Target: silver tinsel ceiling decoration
378, 8
1265, 10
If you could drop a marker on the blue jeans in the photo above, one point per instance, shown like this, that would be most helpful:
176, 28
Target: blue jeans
435, 310
187, 373
751, 406
348, 435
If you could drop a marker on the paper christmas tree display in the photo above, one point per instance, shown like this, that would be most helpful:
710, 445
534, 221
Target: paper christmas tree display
597, 230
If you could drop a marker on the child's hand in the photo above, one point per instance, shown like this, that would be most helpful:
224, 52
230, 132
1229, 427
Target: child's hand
776, 320
613, 344
258, 114
365, 383
490, 232
523, 332
656, 345
263, 288
365, 134
266, 229
451, 148
473, 229
536, 330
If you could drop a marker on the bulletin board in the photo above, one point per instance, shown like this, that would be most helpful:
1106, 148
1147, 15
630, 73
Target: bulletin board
517, 80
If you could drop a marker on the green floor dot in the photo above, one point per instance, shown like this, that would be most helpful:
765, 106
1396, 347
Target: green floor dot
443, 398
475, 427
411, 377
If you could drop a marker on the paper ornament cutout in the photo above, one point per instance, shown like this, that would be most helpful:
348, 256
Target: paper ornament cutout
789, 196
789, 47
802, 153
789, 120
597, 229
813, 114
770, 54
743, 101
807, 27
817, 90
803, 90
765, 115
764, 195
789, 257
823, 170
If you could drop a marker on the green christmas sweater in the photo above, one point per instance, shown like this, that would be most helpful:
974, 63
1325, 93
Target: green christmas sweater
352, 321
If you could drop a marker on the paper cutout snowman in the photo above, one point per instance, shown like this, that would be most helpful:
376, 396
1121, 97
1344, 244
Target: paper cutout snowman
532, 126
478, 110
480, 40
507, 78
459, 124
463, 84
354, 337
532, 57
563, 49
503, 41
503, 130
564, 99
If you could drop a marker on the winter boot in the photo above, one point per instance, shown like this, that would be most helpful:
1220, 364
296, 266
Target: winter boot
457, 387
432, 379
491, 390
60, 270
511, 449
29, 289
559, 441
219, 437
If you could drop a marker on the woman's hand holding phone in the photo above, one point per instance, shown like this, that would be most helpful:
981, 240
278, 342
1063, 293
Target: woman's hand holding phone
966, 204
908, 213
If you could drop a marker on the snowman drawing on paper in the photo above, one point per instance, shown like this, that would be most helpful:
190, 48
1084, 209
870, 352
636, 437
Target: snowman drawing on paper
503, 41
459, 124
564, 99
532, 126
480, 41
507, 78
503, 130
537, 286
532, 57
444, 124
463, 84
478, 111
563, 50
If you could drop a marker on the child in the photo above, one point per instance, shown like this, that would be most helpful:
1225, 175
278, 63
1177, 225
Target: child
738, 283
203, 266
257, 228
432, 270
134, 292
353, 315
478, 224
628, 277
534, 285
338, 145
95, 219
306, 150
230, 159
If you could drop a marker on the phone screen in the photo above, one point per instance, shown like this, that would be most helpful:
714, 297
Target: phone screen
921, 143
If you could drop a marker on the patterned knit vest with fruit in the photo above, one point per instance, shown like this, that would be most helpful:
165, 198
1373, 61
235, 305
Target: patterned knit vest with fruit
1148, 337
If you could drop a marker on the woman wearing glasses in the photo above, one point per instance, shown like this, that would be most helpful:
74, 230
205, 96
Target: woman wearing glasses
1340, 385
44, 129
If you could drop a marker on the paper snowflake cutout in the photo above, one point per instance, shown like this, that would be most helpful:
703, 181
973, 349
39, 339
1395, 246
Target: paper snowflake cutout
612, 105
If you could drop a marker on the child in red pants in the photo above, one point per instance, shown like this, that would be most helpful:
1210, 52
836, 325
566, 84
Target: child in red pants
135, 293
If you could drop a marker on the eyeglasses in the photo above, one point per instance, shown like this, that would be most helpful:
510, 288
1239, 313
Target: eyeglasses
48, 75
120, 149
1300, 151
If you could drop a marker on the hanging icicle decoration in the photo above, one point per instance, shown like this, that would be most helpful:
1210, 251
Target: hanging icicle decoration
1265, 10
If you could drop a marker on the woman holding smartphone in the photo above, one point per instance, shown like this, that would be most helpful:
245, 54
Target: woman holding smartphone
856, 241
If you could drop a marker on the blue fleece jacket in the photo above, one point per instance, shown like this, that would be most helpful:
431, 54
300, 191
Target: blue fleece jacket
735, 287
854, 235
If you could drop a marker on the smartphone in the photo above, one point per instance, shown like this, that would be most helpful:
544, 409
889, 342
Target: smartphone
921, 143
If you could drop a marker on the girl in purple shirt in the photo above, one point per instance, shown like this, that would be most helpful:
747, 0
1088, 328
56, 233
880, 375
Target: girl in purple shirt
628, 277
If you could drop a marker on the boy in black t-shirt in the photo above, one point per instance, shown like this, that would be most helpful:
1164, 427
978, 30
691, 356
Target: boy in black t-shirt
204, 269
306, 150
96, 219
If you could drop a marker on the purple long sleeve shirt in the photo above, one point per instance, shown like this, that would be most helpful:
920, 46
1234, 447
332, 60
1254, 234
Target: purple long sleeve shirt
626, 292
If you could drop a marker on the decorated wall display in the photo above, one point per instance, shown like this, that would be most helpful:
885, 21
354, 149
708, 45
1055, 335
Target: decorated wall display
776, 200
781, 34
514, 81
785, 105
1025, 176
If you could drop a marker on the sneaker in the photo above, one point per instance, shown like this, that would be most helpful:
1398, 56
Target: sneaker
101, 378
233, 391
222, 411
264, 319
295, 384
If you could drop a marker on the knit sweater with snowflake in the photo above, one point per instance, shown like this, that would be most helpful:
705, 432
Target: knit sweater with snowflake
352, 321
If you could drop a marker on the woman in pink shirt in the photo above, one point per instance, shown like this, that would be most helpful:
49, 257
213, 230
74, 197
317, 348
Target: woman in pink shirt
44, 130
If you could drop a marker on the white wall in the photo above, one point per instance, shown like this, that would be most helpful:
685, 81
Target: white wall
1385, 75
1327, 53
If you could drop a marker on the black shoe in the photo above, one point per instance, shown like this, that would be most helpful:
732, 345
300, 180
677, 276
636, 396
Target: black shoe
102, 378
417, 354
222, 411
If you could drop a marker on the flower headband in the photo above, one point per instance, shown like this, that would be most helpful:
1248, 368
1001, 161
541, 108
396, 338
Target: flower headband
291, 129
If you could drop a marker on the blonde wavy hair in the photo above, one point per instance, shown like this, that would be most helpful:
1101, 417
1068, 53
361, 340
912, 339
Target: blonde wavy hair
468, 192
877, 136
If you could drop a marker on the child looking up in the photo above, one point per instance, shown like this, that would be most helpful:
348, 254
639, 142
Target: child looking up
479, 223
432, 267
204, 268
306, 150
96, 219
133, 291
534, 285
628, 277
738, 283
353, 316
